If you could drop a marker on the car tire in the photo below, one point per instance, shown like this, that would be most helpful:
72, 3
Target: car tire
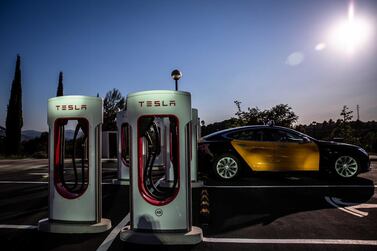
346, 166
226, 167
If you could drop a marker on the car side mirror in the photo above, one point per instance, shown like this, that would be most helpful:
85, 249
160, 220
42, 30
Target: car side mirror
305, 140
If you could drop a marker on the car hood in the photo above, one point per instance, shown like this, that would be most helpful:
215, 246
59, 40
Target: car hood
333, 143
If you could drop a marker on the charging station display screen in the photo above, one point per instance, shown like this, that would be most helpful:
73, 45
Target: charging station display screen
71, 157
125, 144
158, 158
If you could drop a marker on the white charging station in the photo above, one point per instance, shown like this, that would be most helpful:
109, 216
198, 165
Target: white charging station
75, 169
123, 148
160, 139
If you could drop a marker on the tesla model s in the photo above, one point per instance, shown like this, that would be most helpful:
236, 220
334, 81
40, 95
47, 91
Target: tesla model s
275, 148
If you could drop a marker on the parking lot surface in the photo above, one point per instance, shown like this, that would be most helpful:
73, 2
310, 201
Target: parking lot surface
290, 211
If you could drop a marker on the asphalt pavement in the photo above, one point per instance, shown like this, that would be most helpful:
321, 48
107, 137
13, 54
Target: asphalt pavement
290, 211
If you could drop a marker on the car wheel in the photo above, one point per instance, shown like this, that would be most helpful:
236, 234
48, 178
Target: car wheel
346, 166
226, 167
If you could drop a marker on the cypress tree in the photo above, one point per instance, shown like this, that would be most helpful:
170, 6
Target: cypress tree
14, 121
59, 91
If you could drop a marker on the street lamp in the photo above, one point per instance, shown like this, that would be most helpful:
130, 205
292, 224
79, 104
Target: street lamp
176, 75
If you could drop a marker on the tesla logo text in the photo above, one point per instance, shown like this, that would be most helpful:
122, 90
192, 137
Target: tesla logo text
150, 103
71, 107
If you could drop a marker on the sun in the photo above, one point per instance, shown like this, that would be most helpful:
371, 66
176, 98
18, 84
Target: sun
350, 34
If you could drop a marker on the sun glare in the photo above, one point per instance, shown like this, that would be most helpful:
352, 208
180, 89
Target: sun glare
351, 34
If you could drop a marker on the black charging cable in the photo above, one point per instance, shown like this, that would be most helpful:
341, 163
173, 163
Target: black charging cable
152, 136
74, 188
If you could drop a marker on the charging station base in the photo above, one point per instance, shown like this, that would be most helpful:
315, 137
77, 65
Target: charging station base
45, 225
197, 184
195, 236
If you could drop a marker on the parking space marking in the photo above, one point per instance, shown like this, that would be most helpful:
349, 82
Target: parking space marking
38, 182
22, 182
329, 200
215, 186
292, 241
44, 175
37, 166
5, 226
294, 186
105, 245
351, 208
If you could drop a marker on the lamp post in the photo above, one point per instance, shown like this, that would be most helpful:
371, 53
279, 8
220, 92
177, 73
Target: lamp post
176, 75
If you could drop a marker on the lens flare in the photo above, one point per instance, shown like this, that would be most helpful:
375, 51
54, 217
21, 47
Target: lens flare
351, 34
320, 47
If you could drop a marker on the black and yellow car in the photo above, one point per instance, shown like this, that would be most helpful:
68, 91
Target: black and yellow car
275, 148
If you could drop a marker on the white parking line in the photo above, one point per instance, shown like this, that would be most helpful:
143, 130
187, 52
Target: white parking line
38, 182
114, 233
209, 186
331, 202
22, 182
292, 241
36, 166
18, 226
294, 186
350, 207
38, 173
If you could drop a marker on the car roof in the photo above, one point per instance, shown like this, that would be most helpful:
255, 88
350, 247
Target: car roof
240, 128
233, 129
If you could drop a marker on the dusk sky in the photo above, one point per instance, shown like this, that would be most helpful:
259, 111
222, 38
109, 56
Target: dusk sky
261, 53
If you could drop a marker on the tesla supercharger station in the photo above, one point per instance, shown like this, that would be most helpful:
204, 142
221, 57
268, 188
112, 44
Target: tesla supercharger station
160, 138
123, 148
75, 201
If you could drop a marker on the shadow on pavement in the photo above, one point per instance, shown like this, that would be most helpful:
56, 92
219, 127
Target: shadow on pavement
280, 195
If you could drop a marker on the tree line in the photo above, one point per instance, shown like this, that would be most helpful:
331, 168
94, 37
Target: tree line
344, 129
281, 114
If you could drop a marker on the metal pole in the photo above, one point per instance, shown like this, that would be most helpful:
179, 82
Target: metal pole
176, 84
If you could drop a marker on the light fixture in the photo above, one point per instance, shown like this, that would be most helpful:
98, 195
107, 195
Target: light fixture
176, 75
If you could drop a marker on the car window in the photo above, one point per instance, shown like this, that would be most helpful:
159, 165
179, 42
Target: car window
290, 136
270, 135
281, 135
254, 135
